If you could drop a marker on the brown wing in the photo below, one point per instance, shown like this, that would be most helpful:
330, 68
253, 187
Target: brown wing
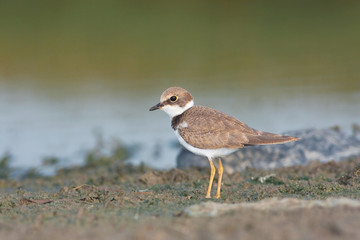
210, 129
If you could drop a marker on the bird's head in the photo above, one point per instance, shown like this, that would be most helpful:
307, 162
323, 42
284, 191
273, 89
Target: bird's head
174, 101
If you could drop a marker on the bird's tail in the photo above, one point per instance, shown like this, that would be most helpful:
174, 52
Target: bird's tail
269, 138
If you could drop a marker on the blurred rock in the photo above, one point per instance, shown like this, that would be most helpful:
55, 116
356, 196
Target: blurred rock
322, 145
213, 209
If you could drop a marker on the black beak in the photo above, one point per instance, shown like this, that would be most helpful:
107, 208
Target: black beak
156, 107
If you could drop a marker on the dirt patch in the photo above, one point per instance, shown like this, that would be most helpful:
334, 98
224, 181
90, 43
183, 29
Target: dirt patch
172, 176
212, 209
125, 201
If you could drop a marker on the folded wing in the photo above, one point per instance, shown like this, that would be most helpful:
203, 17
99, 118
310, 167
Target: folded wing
211, 129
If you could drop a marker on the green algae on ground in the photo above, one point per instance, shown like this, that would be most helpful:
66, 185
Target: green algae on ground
5, 166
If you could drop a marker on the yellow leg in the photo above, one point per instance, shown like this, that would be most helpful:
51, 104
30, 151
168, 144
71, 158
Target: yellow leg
220, 171
212, 174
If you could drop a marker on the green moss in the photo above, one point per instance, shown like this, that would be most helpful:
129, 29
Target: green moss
157, 188
5, 169
274, 180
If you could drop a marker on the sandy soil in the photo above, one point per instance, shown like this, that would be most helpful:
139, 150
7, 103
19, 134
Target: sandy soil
119, 200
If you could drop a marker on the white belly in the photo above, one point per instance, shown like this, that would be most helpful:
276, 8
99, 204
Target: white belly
209, 153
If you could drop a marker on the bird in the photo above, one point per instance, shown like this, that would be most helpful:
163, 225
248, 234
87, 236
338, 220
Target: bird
208, 132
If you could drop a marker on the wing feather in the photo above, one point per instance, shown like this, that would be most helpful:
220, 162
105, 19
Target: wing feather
210, 129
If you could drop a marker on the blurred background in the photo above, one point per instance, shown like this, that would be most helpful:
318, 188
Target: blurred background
73, 70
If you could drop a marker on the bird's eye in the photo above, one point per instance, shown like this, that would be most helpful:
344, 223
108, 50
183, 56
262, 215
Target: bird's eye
173, 98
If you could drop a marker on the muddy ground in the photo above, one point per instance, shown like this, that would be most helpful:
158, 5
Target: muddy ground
117, 200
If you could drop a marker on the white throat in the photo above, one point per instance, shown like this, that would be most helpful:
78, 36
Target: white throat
174, 110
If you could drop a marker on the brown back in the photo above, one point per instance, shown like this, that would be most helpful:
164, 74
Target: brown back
211, 129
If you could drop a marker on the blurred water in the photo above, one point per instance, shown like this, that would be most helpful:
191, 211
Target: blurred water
33, 126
